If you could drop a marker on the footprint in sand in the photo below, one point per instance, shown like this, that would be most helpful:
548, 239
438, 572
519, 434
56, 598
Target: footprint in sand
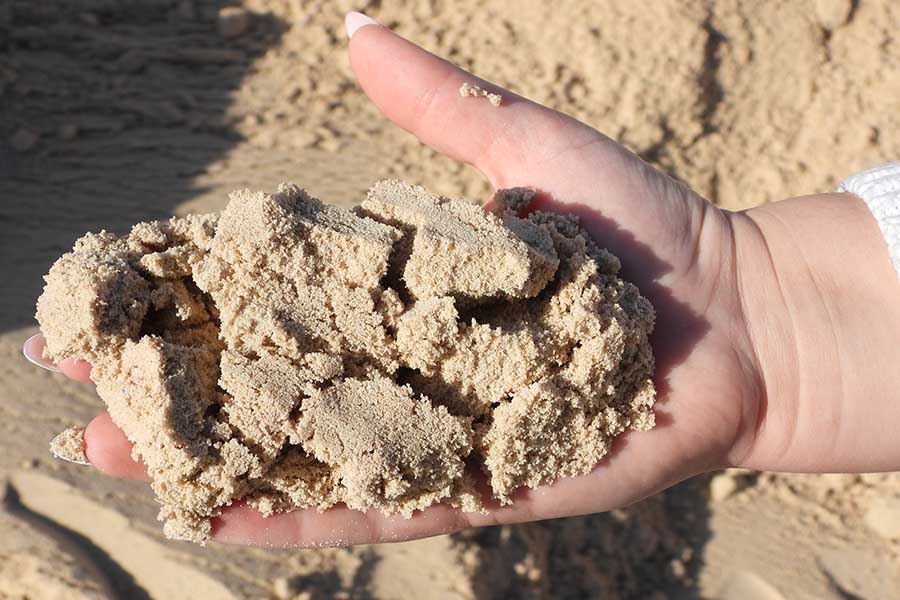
39, 559
119, 561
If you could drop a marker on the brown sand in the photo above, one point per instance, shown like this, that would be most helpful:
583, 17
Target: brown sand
116, 113
296, 354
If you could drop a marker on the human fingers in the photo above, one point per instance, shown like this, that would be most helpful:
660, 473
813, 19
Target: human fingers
107, 449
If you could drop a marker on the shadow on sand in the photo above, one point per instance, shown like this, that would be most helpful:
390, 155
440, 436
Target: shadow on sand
651, 550
109, 109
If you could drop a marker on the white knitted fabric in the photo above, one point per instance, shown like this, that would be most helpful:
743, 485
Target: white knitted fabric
880, 189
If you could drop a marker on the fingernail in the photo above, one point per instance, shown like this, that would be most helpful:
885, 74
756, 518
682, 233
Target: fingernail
354, 20
33, 349
69, 446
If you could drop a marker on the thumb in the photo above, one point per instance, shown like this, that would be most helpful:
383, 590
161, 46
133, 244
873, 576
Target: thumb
518, 143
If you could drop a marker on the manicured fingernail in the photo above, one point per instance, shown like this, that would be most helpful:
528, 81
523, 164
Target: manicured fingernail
69, 446
33, 349
354, 20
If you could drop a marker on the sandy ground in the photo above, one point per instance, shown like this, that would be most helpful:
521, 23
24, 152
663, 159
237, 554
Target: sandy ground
113, 112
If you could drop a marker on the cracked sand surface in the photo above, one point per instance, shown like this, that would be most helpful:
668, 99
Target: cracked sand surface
295, 354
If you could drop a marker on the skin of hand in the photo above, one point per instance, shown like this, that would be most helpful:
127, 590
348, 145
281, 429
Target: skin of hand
777, 328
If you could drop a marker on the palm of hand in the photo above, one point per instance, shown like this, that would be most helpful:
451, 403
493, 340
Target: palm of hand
673, 245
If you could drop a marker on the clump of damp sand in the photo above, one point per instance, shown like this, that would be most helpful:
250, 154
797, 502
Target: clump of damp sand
293, 354
474, 91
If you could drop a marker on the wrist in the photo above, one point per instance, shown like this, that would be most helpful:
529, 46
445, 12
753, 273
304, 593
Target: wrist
768, 330
822, 310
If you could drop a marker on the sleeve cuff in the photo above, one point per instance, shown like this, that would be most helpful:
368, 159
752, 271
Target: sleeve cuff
880, 190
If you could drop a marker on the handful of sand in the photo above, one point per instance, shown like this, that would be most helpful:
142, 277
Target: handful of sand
293, 354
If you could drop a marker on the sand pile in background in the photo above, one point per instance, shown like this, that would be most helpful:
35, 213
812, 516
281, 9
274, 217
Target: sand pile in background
746, 103
117, 113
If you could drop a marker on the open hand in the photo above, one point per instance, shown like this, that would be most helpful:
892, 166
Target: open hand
680, 250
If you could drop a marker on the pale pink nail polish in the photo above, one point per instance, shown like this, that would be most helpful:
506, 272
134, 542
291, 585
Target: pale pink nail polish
355, 20
33, 349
